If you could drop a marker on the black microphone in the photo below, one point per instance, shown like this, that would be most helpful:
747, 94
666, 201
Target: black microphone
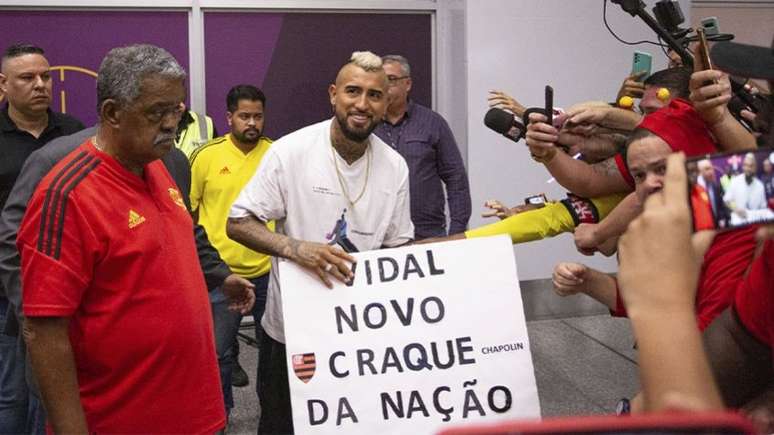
504, 123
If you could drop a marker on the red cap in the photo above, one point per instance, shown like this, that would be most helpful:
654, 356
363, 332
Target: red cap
681, 127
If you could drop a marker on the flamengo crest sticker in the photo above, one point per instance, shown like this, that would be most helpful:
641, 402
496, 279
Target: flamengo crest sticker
304, 365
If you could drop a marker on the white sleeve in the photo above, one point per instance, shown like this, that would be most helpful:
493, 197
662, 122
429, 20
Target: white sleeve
400, 230
264, 195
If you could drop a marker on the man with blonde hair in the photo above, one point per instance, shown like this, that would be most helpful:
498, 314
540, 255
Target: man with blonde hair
331, 183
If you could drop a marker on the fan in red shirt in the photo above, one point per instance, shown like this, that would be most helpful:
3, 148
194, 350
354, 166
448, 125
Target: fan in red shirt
731, 253
118, 323
676, 371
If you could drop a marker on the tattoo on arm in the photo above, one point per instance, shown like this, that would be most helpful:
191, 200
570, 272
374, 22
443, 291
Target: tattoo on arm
606, 167
251, 232
292, 248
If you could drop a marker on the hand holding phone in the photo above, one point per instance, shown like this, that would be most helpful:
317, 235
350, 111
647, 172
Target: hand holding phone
641, 65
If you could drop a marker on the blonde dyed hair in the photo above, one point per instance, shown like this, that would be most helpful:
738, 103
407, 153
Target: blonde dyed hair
366, 60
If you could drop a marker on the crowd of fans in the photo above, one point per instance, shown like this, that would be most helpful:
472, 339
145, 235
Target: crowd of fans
112, 230
718, 283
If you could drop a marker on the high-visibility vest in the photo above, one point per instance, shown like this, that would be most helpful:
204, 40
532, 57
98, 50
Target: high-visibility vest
196, 134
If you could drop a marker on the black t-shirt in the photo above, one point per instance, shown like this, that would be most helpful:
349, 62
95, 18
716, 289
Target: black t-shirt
16, 145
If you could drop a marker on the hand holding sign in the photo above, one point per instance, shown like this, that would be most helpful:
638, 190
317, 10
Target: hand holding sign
424, 336
322, 260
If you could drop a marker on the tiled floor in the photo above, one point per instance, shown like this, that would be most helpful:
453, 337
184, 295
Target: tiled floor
583, 365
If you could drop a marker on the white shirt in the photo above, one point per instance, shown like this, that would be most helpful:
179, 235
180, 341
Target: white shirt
741, 195
297, 185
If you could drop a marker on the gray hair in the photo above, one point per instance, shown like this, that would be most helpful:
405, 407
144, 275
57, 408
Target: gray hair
404, 64
366, 60
124, 68
704, 163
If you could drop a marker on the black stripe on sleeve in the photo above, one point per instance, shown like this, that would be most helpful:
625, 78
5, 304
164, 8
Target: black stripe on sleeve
58, 197
65, 193
47, 200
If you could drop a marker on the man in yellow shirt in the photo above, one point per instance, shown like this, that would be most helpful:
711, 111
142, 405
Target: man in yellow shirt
219, 171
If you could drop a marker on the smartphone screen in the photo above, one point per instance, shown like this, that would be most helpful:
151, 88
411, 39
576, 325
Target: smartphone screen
549, 107
731, 190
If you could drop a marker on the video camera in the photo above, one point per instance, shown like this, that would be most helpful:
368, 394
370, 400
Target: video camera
667, 23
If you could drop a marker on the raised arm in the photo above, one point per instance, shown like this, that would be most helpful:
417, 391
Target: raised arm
658, 278
711, 101
501, 100
590, 237
580, 178
608, 117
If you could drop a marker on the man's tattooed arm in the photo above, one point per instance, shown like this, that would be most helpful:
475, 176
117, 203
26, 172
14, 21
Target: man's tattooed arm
606, 167
254, 234
322, 259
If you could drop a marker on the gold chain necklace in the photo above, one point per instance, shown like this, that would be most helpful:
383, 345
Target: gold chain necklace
96, 145
344, 190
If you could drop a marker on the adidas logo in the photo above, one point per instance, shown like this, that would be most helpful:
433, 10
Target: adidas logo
135, 219
225, 171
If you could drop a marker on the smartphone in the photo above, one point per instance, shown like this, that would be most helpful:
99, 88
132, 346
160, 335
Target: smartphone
549, 107
710, 26
641, 63
702, 51
727, 190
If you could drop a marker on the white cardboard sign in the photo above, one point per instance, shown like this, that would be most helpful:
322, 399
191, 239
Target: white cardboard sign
428, 336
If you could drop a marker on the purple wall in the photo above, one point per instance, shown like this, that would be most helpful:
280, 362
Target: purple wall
734, 161
82, 38
293, 57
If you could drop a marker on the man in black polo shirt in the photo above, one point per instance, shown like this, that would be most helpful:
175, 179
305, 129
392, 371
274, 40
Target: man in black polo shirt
26, 124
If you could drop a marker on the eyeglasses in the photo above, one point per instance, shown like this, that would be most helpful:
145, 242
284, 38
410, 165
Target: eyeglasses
159, 114
394, 79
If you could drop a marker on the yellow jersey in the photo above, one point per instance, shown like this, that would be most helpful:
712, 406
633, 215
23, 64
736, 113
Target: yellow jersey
219, 171
553, 219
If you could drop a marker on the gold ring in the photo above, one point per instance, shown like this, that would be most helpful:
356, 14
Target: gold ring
328, 267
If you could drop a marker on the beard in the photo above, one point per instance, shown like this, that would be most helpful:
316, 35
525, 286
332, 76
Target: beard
354, 134
243, 138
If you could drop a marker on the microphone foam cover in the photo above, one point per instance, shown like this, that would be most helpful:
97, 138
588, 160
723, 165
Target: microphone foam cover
498, 120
